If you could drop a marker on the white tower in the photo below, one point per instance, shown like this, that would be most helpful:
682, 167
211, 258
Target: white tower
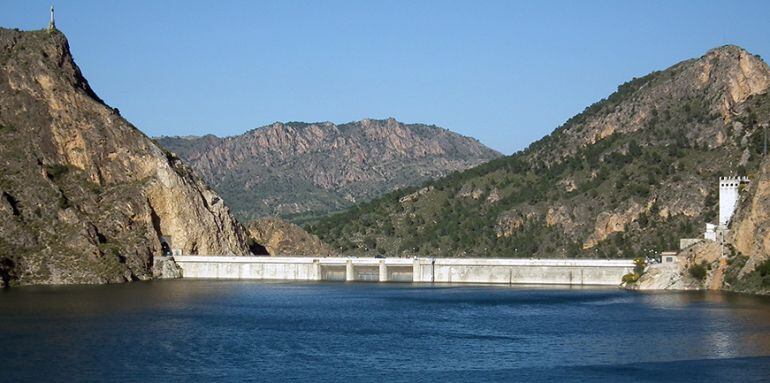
52, 24
728, 198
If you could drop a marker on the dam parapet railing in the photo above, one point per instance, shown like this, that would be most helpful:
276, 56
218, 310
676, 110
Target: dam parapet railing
431, 270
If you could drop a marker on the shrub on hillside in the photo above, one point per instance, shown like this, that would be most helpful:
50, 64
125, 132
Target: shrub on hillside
56, 170
764, 271
698, 271
630, 278
640, 263
764, 268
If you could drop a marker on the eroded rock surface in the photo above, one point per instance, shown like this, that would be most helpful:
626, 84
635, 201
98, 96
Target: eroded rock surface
299, 170
282, 238
86, 196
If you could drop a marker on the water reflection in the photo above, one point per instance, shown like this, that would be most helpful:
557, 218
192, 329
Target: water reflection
334, 331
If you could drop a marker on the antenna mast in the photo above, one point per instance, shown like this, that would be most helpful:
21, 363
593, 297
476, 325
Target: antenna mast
52, 24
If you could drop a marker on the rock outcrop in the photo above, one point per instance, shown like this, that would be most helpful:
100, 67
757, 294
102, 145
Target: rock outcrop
608, 223
677, 276
304, 170
165, 268
282, 238
751, 224
86, 197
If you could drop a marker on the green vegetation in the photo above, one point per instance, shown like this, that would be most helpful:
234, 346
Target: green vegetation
442, 220
336, 164
758, 280
630, 278
698, 271
6, 129
734, 265
656, 176
764, 271
56, 171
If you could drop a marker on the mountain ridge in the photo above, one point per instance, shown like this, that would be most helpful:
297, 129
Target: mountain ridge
308, 169
630, 174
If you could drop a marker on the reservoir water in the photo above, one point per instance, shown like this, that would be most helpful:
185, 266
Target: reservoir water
189, 330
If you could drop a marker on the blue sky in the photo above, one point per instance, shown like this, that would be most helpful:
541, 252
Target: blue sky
505, 72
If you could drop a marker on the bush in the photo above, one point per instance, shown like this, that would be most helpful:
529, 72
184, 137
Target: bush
734, 266
764, 271
56, 170
64, 202
630, 278
698, 271
639, 265
764, 268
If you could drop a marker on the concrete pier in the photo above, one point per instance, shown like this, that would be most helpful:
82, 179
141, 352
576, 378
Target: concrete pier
383, 271
350, 275
430, 270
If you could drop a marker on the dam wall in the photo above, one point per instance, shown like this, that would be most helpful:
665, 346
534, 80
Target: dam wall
522, 271
426, 270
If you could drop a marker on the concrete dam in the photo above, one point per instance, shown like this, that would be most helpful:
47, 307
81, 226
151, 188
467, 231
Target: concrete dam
419, 270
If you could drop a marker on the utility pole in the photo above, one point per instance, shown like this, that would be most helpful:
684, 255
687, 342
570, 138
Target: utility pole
764, 132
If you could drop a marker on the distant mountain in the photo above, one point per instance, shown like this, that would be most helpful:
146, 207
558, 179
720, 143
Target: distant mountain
628, 176
302, 171
85, 197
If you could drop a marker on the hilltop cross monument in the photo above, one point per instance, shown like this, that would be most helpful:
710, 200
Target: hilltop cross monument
52, 24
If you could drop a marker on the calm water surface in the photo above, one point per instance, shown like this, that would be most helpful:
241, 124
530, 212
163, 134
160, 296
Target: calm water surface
276, 332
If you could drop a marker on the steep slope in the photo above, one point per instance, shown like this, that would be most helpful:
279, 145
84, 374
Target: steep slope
300, 171
86, 197
746, 249
628, 176
282, 238
751, 225
748, 268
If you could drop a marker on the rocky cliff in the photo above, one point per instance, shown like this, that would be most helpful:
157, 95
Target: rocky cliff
301, 171
628, 176
86, 197
748, 267
750, 234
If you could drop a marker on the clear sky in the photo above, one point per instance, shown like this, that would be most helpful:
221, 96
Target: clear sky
505, 72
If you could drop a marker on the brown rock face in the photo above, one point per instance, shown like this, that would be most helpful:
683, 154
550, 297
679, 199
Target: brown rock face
751, 224
282, 238
300, 170
511, 221
608, 223
86, 196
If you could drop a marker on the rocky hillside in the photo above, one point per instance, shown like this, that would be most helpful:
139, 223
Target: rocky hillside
85, 196
628, 176
301, 171
282, 238
746, 266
